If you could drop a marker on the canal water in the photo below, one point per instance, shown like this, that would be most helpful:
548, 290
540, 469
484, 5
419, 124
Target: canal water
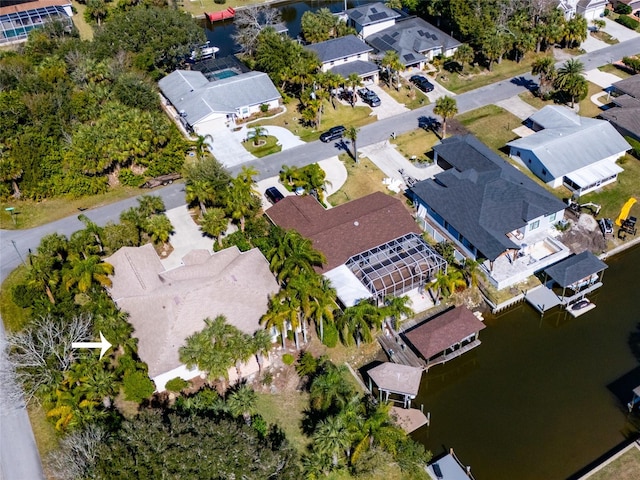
219, 33
540, 399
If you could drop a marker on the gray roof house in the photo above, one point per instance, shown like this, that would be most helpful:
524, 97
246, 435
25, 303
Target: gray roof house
344, 56
166, 307
219, 102
490, 210
371, 18
625, 116
570, 150
589, 9
415, 40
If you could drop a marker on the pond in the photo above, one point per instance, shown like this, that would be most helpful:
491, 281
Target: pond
540, 398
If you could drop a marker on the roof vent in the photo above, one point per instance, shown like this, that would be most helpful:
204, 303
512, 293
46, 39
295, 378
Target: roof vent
356, 223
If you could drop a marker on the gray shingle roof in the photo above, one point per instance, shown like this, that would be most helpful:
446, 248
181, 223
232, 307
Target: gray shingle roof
358, 67
191, 93
411, 38
630, 86
575, 268
339, 48
571, 142
483, 197
627, 118
372, 13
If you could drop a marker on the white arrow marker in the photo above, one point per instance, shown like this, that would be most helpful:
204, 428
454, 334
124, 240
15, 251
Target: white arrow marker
103, 345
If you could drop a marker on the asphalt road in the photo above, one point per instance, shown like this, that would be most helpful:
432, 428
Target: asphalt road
18, 454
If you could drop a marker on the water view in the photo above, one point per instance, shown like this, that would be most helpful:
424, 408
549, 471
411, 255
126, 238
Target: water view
219, 33
540, 399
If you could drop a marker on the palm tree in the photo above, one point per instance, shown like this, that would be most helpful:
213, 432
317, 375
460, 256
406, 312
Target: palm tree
43, 274
201, 145
291, 175
293, 255
85, 272
329, 391
261, 344
377, 425
159, 228
545, 67
354, 82
242, 197
357, 322
570, 79
352, 134
332, 438
446, 107
150, 205
396, 308
391, 62
214, 222
464, 54
242, 401
471, 271
280, 312
256, 133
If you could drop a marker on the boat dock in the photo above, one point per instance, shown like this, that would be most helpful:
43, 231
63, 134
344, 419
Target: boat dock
398, 351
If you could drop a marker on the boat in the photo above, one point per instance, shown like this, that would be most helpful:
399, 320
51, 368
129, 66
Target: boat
580, 305
223, 15
203, 52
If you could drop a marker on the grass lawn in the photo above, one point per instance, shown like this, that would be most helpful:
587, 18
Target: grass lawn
84, 29
269, 146
13, 316
341, 115
475, 77
418, 143
613, 197
612, 68
363, 178
534, 101
587, 107
29, 214
404, 95
625, 467
286, 409
43, 431
604, 37
491, 124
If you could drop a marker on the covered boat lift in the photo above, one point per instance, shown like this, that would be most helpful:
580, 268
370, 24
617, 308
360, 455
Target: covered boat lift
394, 378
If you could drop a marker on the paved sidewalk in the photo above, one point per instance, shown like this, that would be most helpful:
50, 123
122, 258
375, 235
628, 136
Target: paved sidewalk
591, 44
518, 107
187, 237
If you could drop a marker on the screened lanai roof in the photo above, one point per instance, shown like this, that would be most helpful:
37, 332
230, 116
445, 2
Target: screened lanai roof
16, 21
397, 266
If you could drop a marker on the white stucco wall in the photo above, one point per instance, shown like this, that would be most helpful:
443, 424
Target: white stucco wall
351, 58
375, 28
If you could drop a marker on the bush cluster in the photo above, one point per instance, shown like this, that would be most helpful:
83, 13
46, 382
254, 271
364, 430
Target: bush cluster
628, 22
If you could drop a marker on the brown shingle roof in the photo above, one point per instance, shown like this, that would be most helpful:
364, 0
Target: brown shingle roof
439, 333
347, 229
397, 378
174, 304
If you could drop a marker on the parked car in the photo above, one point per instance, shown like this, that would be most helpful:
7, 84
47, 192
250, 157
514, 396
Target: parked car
273, 195
606, 225
422, 83
369, 97
333, 133
161, 180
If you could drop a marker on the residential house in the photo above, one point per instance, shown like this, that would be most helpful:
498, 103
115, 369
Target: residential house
370, 18
416, 42
19, 17
344, 56
570, 150
372, 245
491, 212
166, 307
625, 116
215, 103
589, 9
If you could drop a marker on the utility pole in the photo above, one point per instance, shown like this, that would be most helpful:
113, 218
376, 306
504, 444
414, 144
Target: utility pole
18, 252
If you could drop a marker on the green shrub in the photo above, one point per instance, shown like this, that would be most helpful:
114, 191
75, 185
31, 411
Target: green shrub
628, 22
633, 63
623, 9
330, 335
176, 384
238, 238
23, 295
288, 359
137, 386
264, 108
220, 2
607, 12
130, 179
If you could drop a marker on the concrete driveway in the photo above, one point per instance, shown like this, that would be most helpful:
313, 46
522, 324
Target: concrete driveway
518, 107
618, 31
186, 237
227, 147
388, 106
390, 161
602, 79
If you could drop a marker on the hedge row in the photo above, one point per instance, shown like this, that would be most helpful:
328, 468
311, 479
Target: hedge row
628, 22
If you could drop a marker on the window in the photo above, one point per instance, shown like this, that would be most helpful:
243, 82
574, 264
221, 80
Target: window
529, 160
534, 225
552, 217
544, 172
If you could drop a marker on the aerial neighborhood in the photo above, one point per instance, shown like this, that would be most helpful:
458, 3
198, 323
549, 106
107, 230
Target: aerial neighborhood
261, 240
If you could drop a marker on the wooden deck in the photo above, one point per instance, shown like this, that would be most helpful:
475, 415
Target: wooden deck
399, 352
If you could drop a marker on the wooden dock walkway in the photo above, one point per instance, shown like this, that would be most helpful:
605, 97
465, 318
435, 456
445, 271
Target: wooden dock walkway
399, 352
